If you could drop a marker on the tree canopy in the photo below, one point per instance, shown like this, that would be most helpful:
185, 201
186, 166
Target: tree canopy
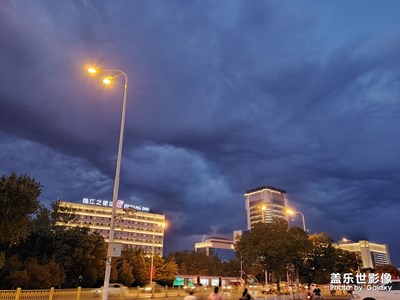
19, 200
273, 246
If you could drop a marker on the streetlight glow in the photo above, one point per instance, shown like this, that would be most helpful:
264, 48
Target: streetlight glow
92, 70
107, 80
292, 212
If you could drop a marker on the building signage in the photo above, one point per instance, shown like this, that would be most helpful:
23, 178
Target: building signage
120, 204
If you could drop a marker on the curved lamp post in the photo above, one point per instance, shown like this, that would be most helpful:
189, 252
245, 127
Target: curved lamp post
292, 212
108, 80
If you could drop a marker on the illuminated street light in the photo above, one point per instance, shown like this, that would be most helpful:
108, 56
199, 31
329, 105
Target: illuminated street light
345, 240
241, 262
163, 225
292, 212
107, 80
92, 70
117, 73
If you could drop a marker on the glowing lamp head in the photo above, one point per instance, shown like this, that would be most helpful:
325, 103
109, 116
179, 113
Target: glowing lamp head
107, 80
92, 70
263, 207
290, 212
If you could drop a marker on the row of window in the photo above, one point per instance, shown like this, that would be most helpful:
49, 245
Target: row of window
109, 213
106, 231
155, 229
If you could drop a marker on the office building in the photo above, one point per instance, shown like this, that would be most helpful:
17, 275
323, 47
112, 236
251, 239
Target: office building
135, 226
372, 254
221, 247
265, 204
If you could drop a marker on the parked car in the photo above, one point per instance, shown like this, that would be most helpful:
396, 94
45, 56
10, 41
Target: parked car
379, 293
194, 287
226, 288
114, 289
268, 289
153, 287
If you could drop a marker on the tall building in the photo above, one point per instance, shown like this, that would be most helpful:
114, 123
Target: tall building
265, 204
372, 254
135, 226
221, 247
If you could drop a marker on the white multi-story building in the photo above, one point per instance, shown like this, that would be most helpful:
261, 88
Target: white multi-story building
135, 226
372, 254
221, 247
265, 204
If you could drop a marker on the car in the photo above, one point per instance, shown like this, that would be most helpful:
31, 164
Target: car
153, 288
226, 288
381, 292
268, 289
194, 287
114, 289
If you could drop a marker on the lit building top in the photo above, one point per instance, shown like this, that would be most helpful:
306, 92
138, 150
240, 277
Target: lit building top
133, 228
221, 247
265, 204
372, 254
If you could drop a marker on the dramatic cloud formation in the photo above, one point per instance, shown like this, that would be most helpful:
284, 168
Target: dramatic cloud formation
223, 96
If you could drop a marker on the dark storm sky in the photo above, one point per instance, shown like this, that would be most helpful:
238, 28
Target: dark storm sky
223, 96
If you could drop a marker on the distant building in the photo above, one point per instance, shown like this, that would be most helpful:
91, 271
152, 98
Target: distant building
133, 228
221, 247
265, 204
372, 254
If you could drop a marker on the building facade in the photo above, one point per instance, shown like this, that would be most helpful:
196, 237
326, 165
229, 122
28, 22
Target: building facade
221, 247
133, 228
372, 254
265, 204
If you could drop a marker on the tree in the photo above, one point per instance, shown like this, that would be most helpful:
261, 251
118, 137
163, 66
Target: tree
18, 201
388, 269
231, 268
124, 270
319, 261
345, 262
2, 259
35, 275
81, 254
196, 263
64, 215
273, 246
324, 259
165, 270
140, 267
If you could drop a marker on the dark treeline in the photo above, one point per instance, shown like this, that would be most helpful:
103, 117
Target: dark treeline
36, 253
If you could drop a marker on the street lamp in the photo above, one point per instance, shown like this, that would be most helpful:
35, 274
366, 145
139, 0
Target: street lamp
292, 212
163, 225
241, 262
107, 80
